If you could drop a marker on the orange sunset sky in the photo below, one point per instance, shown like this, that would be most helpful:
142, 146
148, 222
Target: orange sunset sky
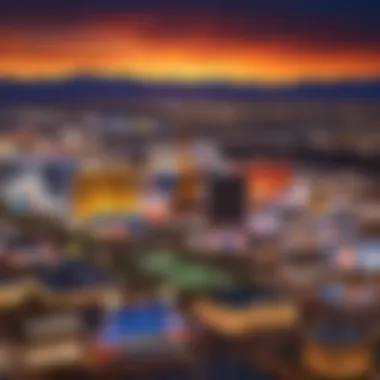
252, 45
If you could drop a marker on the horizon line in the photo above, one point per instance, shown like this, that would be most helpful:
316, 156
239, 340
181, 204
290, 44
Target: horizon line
6, 80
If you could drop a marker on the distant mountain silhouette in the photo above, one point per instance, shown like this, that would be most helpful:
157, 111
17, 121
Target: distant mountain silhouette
87, 88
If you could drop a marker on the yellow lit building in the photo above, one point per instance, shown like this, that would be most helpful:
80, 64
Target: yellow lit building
105, 191
189, 181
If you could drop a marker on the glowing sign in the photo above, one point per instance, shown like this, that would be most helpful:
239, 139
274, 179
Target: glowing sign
268, 180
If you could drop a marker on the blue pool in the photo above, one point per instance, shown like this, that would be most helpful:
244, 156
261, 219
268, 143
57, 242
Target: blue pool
141, 323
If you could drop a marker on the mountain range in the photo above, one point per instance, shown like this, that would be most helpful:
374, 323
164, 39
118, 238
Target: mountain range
92, 88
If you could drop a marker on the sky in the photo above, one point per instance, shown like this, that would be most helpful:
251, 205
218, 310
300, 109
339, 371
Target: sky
270, 42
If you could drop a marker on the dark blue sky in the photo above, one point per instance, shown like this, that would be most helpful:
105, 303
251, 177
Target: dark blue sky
361, 17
